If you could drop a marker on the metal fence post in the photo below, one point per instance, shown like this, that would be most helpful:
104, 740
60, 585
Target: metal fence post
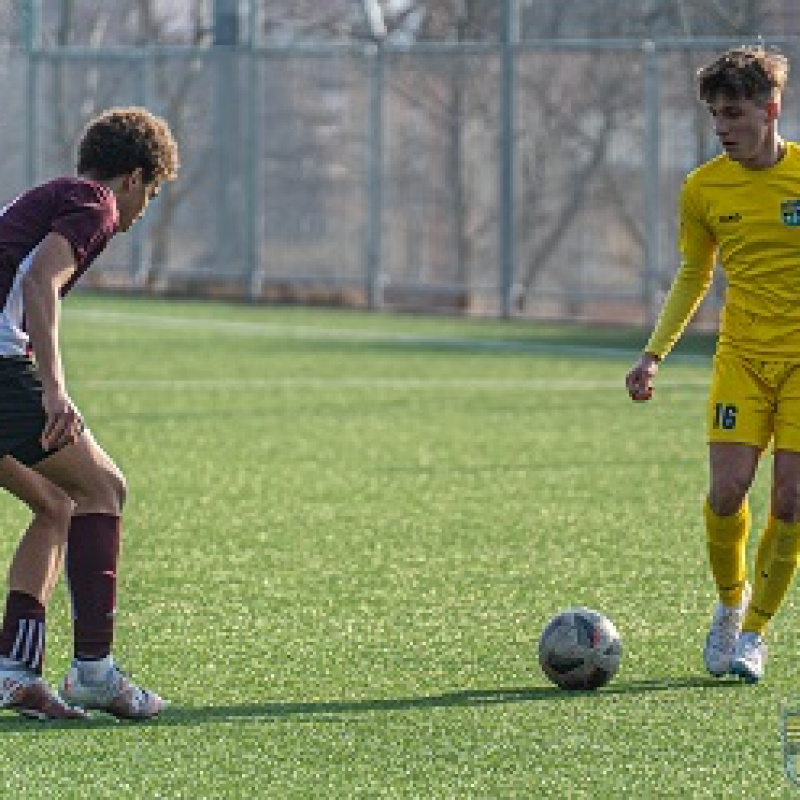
651, 174
252, 138
375, 56
140, 255
32, 42
227, 129
507, 226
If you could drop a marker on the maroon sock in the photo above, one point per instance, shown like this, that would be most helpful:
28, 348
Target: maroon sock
92, 555
22, 634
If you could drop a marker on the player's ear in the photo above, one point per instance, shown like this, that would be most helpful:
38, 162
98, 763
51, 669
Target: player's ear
133, 179
773, 110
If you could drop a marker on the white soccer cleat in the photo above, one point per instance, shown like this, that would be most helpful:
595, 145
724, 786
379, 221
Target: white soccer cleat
749, 657
114, 693
723, 635
24, 691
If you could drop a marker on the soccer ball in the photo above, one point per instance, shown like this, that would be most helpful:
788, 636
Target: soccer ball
580, 649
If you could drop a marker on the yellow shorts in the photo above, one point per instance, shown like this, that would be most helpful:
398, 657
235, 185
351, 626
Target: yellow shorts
753, 401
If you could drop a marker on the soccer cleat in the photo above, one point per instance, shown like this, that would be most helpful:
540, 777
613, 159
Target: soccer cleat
749, 657
24, 691
114, 693
723, 634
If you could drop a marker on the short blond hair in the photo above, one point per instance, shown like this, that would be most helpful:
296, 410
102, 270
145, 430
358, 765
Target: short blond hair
751, 73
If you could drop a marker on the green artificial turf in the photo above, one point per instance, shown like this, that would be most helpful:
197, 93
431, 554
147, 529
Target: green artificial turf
345, 532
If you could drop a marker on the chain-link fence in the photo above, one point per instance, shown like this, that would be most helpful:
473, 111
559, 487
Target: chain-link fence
536, 178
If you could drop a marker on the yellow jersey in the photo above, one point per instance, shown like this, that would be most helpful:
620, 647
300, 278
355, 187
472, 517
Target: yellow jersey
749, 221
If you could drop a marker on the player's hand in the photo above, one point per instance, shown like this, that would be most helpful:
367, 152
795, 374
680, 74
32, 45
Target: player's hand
639, 381
63, 422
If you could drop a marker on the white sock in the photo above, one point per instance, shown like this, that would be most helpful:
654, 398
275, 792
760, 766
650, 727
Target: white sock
94, 670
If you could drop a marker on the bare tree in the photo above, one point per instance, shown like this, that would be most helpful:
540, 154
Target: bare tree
174, 84
572, 110
79, 91
576, 112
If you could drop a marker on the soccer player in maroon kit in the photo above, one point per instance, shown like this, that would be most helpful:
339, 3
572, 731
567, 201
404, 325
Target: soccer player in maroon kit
49, 236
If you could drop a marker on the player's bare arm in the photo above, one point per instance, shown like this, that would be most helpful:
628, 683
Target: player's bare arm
53, 265
639, 381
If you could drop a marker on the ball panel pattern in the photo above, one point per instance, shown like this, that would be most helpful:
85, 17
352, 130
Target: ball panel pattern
580, 649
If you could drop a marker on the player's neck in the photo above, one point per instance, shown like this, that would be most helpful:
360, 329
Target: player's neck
777, 151
769, 155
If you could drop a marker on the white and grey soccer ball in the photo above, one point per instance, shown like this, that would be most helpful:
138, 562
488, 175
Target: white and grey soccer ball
580, 649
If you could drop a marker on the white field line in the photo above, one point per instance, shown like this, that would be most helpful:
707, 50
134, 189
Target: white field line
432, 384
314, 333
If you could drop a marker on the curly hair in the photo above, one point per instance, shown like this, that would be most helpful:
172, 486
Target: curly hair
120, 140
750, 73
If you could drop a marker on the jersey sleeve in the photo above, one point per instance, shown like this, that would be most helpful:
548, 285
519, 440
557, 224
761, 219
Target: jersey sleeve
86, 219
693, 279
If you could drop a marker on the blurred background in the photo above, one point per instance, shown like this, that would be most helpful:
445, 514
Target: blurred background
487, 157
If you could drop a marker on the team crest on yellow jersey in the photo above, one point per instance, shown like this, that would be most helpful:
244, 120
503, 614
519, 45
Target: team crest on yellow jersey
790, 735
790, 211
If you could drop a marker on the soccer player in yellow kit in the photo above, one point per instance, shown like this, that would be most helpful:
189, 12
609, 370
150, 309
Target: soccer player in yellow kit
742, 208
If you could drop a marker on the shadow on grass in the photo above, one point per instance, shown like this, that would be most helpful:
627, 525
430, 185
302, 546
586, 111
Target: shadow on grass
471, 698
321, 710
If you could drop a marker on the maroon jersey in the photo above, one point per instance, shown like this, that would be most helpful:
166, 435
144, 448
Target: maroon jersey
84, 212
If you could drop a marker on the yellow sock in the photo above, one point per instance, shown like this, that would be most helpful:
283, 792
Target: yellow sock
727, 537
776, 563
765, 545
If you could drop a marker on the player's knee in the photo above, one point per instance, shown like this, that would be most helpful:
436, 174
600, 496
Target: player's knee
116, 490
786, 501
726, 496
103, 491
55, 505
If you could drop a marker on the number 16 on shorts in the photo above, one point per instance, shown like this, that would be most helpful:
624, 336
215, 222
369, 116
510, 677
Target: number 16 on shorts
725, 416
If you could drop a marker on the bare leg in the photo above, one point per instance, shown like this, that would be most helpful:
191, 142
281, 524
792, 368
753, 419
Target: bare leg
34, 571
39, 556
732, 468
786, 486
97, 487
